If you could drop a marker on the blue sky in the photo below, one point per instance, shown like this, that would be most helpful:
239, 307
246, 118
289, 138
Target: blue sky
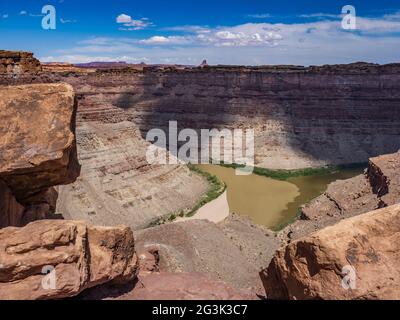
229, 32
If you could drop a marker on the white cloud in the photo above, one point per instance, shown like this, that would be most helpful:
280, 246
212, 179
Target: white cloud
392, 16
130, 24
88, 58
377, 26
320, 15
96, 41
4, 16
26, 13
159, 40
244, 35
259, 15
124, 18
67, 21
156, 39
317, 42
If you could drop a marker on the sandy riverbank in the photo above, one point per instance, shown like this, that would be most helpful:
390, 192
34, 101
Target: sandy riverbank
214, 211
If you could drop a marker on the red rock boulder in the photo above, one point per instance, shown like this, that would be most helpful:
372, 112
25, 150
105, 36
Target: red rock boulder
59, 259
37, 146
358, 258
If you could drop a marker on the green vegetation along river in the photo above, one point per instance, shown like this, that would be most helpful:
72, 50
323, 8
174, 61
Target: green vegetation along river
271, 202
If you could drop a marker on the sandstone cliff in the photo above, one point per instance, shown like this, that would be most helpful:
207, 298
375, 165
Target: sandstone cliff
354, 259
15, 63
302, 116
118, 186
37, 149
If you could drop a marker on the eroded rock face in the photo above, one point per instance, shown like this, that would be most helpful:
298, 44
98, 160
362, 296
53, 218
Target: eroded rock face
37, 149
299, 114
78, 255
343, 198
117, 185
17, 62
316, 266
37, 140
378, 187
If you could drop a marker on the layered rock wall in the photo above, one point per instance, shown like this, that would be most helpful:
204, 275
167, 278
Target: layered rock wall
118, 186
302, 116
15, 63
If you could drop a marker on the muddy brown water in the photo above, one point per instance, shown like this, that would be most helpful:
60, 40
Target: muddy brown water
270, 202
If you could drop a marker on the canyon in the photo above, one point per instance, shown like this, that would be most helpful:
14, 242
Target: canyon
302, 117
73, 148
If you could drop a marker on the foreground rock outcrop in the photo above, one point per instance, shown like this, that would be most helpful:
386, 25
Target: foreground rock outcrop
354, 259
78, 256
37, 149
15, 63
49, 259
37, 146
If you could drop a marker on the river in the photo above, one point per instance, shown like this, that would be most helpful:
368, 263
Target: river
270, 202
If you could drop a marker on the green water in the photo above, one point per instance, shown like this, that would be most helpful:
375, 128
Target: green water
270, 202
